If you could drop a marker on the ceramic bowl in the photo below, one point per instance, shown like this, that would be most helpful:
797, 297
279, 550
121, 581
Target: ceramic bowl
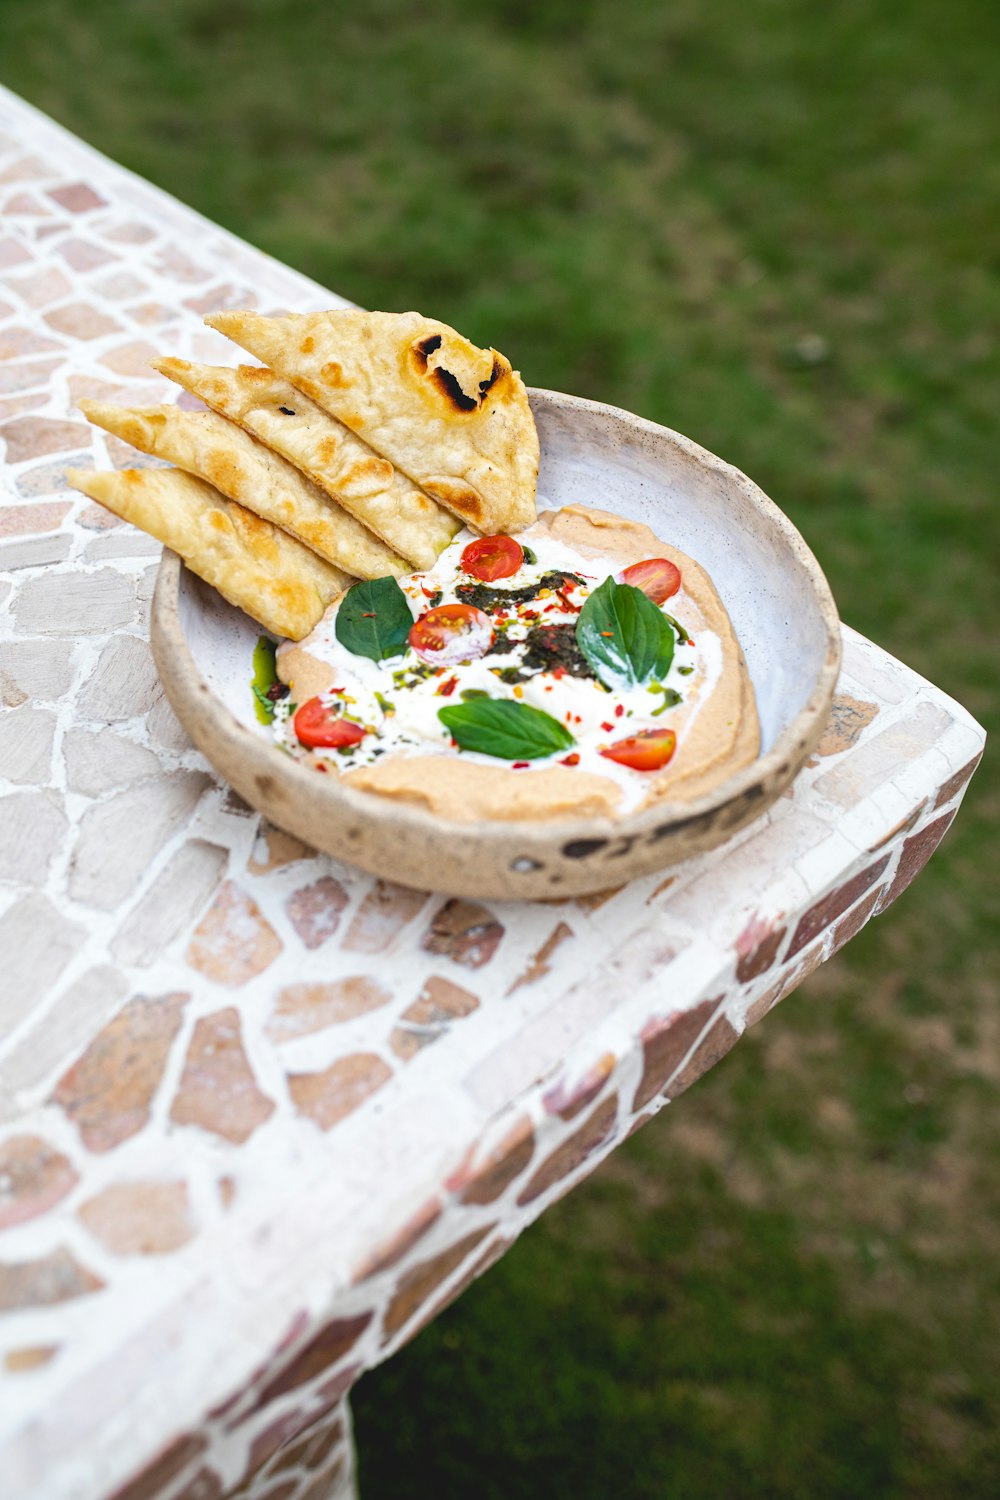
772, 586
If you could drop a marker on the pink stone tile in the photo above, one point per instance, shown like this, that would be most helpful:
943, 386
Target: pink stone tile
13, 253
27, 169
382, 916
16, 406
41, 288
221, 299
17, 341
314, 910
139, 1218
119, 286
176, 265
56, 1277
77, 198
31, 375
465, 932
152, 314
31, 437
84, 255
34, 1177
130, 359
109, 1091
330, 1096
301, 1009
26, 520
50, 478
234, 941
80, 320
218, 1091
130, 232
834, 904
24, 206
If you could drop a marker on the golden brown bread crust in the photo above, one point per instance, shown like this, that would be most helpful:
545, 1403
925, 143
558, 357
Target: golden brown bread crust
221, 453
256, 566
288, 422
453, 417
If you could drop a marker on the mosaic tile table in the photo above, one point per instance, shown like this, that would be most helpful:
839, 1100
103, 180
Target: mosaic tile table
262, 1116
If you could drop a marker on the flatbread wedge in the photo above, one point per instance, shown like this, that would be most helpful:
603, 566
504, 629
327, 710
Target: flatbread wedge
215, 450
256, 566
453, 417
371, 488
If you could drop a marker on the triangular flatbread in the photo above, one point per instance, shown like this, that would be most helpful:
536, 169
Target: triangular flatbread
256, 566
453, 417
371, 488
244, 470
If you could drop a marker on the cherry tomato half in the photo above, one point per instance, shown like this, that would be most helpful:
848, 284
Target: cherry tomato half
318, 726
491, 557
658, 578
650, 750
451, 633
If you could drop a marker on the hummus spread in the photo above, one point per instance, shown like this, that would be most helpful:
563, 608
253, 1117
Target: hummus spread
404, 750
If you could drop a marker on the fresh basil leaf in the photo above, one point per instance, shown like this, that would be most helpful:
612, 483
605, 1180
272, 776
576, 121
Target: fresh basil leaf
508, 730
265, 674
374, 619
625, 637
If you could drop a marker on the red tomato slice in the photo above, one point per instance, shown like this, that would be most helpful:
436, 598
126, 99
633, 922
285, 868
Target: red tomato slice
451, 633
650, 750
492, 557
318, 726
658, 578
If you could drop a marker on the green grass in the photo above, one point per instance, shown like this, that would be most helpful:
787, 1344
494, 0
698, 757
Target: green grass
771, 225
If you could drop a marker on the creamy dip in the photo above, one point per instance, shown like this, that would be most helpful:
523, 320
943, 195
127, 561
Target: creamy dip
408, 752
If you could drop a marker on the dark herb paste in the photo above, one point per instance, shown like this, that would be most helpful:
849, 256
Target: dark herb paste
487, 598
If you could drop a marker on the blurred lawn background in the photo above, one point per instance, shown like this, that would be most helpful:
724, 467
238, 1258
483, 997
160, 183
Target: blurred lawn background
773, 225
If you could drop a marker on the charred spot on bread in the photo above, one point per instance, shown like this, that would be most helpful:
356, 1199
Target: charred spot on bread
452, 391
424, 348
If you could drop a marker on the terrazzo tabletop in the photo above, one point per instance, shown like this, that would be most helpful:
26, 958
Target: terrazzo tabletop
261, 1115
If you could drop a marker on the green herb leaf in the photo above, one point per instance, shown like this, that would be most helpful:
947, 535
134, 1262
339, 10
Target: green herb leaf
625, 637
530, 557
508, 730
264, 676
374, 619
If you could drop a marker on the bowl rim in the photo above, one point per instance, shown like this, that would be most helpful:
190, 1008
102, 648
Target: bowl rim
207, 720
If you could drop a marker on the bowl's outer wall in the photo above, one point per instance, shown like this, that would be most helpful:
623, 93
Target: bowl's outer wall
591, 455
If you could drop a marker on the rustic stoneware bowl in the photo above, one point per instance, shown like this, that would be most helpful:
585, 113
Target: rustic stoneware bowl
771, 584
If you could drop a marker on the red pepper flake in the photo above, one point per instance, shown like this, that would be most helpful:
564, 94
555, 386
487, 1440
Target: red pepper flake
427, 593
690, 641
367, 614
320, 766
447, 688
559, 673
619, 710
570, 760
578, 718
520, 765
607, 728
608, 633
